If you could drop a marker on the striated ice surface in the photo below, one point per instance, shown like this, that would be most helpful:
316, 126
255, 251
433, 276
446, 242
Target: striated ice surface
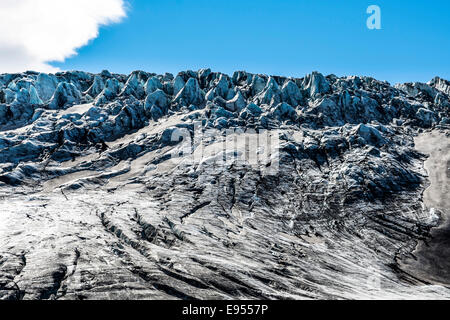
115, 187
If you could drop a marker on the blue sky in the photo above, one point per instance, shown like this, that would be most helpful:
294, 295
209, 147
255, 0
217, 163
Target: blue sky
290, 37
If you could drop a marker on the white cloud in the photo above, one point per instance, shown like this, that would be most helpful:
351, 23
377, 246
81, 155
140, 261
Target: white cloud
35, 32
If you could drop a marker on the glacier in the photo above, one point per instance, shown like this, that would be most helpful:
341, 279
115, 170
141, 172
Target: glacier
99, 201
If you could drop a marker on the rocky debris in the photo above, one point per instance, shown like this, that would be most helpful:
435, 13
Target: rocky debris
105, 197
